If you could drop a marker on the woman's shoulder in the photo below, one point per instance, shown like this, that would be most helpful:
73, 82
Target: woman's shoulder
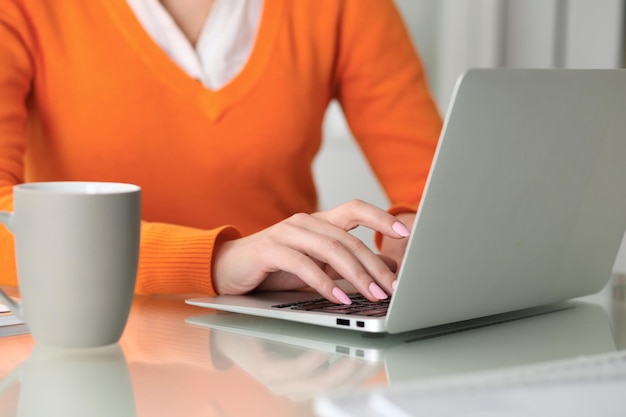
39, 16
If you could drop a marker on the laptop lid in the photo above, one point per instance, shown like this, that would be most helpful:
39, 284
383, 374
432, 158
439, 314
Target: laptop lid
525, 204
526, 201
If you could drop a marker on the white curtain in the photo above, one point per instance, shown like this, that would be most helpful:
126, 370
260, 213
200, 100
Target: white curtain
453, 36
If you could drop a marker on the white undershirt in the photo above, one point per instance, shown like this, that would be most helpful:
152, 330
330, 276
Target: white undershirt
224, 45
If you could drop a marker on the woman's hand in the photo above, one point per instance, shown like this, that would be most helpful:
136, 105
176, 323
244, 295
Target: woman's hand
311, 250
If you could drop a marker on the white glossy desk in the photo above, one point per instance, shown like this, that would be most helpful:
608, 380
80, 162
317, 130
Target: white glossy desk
164, 366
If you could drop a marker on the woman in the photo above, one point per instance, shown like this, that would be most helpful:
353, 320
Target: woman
215, 109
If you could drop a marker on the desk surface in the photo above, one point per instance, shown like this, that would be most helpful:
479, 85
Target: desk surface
165, 366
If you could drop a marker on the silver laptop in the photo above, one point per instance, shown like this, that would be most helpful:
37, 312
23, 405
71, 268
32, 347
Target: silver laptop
525, 205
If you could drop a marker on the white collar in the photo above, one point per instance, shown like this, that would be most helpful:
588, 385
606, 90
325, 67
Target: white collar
224, 45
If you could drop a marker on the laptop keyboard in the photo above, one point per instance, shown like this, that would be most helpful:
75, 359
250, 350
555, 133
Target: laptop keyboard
360, 306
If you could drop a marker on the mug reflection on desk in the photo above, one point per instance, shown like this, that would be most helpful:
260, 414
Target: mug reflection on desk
74, 382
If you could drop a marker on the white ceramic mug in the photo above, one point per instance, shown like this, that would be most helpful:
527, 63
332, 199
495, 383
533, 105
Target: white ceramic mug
77, 249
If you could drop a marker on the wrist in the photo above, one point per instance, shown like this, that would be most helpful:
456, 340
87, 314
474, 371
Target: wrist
221, 248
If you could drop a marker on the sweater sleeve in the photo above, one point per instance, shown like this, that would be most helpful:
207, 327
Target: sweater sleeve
383, 91
177, 259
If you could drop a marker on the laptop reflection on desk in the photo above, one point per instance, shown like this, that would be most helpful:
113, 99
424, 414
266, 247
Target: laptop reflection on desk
565, 330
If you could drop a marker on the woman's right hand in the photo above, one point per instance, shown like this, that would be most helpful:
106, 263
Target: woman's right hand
311, 250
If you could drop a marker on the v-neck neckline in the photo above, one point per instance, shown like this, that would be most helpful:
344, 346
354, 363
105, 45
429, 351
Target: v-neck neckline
214, 102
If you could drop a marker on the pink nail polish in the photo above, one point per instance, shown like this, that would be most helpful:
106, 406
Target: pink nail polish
341, 296
377, 291
400, 229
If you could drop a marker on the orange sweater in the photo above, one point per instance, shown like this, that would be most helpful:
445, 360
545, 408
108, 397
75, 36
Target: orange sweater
85, 94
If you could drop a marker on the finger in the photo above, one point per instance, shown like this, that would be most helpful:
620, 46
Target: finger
282, 280
299, 251
346, 255
286, 281
391, 263
301, 265
359, 213
284, 247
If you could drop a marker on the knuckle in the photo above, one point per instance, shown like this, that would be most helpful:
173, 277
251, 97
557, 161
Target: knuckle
325, 286
361, 278
384, 273
298, 218
301, 264
334, 244
355, 204
354, 244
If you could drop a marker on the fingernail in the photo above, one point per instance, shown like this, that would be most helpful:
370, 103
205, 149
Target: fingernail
377, 291
400, 229
341, 296
394, 284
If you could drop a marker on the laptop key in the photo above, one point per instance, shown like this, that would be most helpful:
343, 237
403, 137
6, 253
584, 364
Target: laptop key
314, 306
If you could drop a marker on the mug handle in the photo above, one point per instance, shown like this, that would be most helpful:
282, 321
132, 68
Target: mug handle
6, 219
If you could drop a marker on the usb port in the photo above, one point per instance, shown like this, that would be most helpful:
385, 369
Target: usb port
343, 322
360, 323
342, 350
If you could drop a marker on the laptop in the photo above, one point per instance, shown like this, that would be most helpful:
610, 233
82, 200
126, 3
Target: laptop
525, 205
